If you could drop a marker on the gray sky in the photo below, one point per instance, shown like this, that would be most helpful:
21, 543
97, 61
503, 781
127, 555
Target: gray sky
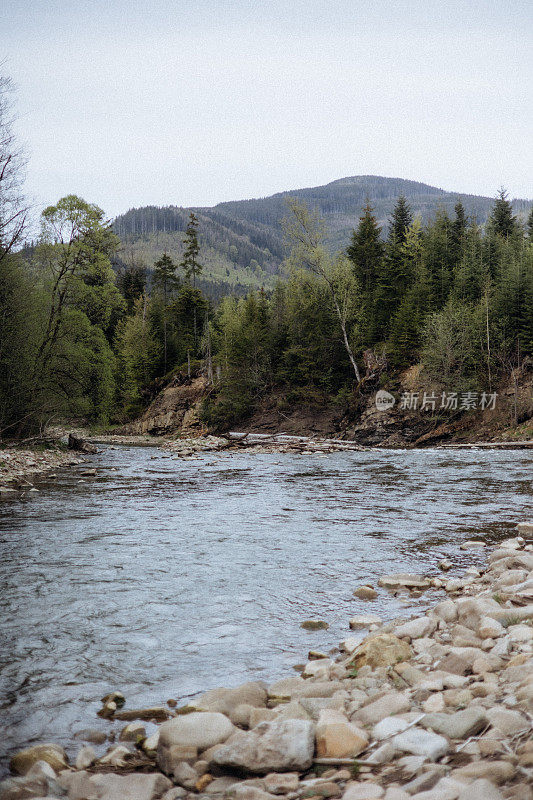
132, 102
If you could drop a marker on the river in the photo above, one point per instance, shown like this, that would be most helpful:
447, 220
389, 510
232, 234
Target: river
164, 577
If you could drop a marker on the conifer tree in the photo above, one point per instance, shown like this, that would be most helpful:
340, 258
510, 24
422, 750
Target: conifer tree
502, 221
366, 251
189, 262
165, 282
401, 219
439, 257
457, 236
530, 225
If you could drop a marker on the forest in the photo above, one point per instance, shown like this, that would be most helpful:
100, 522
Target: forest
90, 332
81, 339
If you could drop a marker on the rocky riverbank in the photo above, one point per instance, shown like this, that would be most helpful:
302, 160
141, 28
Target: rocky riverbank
438, 707
19, 468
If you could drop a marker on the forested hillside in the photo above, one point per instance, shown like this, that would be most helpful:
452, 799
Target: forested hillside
242, 241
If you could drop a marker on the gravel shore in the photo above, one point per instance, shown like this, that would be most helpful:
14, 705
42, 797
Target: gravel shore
19, 467
437, 707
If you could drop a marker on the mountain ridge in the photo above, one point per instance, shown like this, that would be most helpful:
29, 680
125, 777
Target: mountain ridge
242, 240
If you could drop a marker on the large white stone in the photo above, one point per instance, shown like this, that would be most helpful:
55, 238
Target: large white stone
277, 746
364, 621
390, 703
421, 743
416, 628
195, 731
363, 791
336, 737
107, 786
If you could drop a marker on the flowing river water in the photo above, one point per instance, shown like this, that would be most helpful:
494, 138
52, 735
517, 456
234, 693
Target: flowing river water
164, 577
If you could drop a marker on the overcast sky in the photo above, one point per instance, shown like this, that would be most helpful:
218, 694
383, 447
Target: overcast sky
131, 102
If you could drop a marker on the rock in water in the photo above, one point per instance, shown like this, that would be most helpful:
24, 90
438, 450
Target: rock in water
75, 443
279, 746
406, 579
365, 592
314, 625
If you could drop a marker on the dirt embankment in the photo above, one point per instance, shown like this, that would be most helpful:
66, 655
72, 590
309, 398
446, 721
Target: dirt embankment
506, 414
174, 410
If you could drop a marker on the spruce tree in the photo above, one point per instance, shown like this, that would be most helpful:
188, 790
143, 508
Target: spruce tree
400, 221
457, 235
530, 225
502, 221
165, 282
189, 262
439, 257
366, 251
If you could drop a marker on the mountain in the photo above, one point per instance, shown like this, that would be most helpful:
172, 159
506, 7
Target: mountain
242, 243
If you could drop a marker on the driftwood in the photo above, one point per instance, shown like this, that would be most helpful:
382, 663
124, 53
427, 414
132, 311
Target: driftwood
288, 441
75, 443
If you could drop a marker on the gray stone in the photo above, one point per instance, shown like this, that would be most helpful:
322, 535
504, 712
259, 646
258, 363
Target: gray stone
243, 791
277, 746
416, 628
383, 754
366, 592
185, 775
53, 754
86, 756
388, 727
363, 791
403, 579
364, 621
459, 725
197, 731
132, 732
91, 735
447, 611
481, 789
229, 701
497, 772
507, 722
116, 756
281, 783
391, 703
108, 786
421, 743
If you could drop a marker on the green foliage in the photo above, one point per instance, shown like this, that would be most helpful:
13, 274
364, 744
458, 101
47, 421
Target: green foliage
453, 350
366, 251
137, 354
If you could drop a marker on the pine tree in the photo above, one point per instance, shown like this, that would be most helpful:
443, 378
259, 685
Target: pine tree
189, 262
472, 273
401, 219
530, 226
502, 221
457, 236
439, 257
366, 251
165, 282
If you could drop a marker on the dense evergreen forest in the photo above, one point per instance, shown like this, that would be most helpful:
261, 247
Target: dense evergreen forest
92, 331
